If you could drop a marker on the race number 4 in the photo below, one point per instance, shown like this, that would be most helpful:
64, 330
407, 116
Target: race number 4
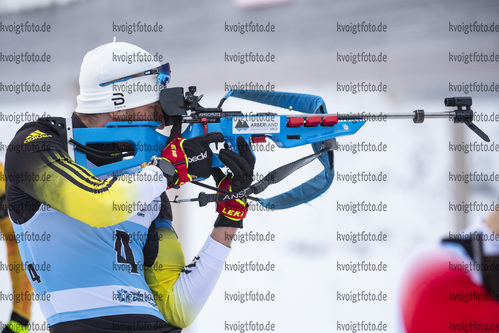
124, 253
33, 274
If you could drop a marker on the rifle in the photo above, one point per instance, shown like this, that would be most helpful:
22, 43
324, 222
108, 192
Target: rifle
306, 123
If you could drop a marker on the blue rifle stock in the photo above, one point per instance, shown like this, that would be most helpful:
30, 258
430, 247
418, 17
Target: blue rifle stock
314, 126
141, 135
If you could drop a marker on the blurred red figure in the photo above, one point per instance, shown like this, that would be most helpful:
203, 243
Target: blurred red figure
454, 288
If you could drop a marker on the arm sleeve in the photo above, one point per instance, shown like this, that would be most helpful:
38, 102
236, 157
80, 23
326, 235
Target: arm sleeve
44, 171
181, 291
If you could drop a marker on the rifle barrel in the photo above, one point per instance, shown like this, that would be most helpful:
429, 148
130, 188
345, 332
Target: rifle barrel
382, 116
366, 116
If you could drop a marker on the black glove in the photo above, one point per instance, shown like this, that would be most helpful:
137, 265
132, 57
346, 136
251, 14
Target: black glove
191, 157
232, 212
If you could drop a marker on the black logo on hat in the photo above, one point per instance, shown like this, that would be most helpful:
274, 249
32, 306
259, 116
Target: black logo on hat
118, 100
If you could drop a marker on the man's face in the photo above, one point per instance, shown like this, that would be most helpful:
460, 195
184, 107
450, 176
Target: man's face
149, 112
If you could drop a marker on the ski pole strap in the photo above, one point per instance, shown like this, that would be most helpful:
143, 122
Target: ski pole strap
271, 178
282, 172
204, 198
308, 190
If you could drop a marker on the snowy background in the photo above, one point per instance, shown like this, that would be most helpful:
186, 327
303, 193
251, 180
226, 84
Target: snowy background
305, 44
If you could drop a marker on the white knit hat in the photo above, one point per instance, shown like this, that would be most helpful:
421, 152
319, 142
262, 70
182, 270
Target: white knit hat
111, 62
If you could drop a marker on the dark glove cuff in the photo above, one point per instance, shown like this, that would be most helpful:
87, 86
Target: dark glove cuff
168, 170
223, 221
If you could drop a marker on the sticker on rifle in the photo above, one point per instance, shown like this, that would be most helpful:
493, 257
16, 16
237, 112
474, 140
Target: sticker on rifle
256, 124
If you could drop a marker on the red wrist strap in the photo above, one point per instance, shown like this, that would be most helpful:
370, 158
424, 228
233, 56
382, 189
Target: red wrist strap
233, 209
174, 152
